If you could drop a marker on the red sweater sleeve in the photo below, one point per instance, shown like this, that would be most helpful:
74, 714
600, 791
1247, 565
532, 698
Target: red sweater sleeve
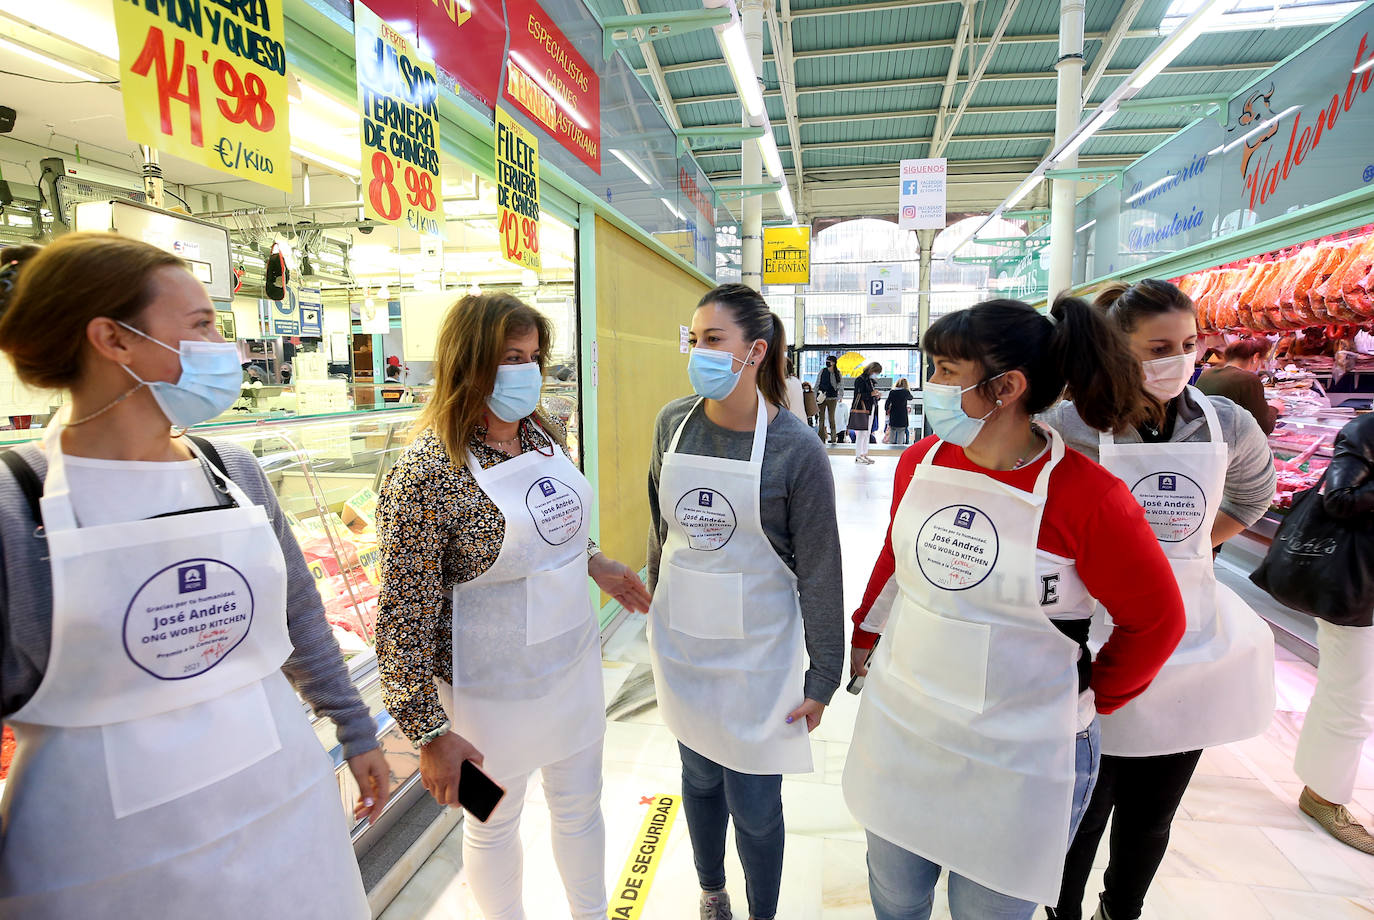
886, 564
1124, 568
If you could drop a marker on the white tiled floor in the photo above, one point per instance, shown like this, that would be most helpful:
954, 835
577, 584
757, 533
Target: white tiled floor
1241, 850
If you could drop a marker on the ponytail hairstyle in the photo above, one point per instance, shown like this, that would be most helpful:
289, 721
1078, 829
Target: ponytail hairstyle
756, 321
1073, 352
1125, 305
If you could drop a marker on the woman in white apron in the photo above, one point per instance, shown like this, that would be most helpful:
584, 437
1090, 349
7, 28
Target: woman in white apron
156, 622
1202, 470
487, 641
744, 560
976, 744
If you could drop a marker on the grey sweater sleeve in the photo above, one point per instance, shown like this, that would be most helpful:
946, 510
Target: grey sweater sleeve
798, 509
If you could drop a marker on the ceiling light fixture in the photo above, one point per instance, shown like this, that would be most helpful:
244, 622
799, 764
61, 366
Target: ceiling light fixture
50, 61
736, 52
335, 166
768, 149
1099, 118
1022, 191
631, 165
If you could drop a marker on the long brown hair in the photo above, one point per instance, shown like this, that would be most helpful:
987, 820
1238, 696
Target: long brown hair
756, 321
56, 291
467, 354
1125, 305
1076, 352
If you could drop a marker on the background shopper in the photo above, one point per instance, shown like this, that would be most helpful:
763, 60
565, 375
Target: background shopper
796, 396
976, 744
897, 407
830, 387
161, 770
487, 642
861, 411
744, 561
1238, 380
1202, 469
1341, 717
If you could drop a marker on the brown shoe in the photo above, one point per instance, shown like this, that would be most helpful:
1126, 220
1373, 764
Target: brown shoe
1337, 821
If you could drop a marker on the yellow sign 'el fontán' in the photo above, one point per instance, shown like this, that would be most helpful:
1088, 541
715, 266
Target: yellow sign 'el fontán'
207, 82
517, 190
787, 255
399, 99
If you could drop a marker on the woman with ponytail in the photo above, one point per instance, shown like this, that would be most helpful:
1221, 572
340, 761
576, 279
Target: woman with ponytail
739, 491
976, 744
1201, 468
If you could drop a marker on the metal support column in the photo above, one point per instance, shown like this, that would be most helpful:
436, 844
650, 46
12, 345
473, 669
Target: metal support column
926, 240
751, 229
1068, 109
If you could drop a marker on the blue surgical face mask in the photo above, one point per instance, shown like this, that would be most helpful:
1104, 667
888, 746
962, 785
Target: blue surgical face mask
210, 382
713, 373
943, 407
516, 394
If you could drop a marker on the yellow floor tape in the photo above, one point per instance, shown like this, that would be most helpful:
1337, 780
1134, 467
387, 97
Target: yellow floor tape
632, 888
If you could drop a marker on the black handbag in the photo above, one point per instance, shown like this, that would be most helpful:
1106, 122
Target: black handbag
1321, 565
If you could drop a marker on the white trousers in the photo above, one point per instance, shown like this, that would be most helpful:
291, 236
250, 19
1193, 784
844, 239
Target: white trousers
1341, 717
495, 859
861, 443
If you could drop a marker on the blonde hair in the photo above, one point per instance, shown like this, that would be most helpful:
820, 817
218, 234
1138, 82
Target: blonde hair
467, 354
902, 384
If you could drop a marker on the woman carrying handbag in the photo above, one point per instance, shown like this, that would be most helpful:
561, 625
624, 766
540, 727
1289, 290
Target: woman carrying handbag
861, 411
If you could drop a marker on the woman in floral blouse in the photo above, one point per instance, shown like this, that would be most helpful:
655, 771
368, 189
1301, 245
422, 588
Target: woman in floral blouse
487, 641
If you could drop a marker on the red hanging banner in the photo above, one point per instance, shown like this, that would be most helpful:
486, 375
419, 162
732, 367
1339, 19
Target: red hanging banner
547, 79
464, 37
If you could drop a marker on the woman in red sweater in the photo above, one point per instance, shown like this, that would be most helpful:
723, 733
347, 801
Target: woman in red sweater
976, 745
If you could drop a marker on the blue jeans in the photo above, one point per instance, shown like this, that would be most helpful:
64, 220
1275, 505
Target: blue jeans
711, 795
902, 884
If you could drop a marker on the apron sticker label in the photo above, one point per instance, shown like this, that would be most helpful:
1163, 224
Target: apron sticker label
707, 518
632, 887
555, 509
1175, 505
186, 618
957, 547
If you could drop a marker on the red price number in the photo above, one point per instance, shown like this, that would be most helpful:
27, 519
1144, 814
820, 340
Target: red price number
386, 198
515, 231
241, 100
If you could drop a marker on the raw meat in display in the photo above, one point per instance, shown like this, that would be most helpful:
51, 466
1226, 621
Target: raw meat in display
1228, 304
1204, 300
1224, 310
1348, 281
1316, 295
1293, 297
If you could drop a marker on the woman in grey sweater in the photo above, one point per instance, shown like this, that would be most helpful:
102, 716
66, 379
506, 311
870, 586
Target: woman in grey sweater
157, 621
740, 494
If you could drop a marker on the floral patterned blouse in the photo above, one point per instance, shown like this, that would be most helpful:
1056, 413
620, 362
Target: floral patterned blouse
437, 529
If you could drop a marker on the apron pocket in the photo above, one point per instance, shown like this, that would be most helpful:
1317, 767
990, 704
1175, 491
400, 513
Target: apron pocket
943, 658
153, 760
557, 601
706, 605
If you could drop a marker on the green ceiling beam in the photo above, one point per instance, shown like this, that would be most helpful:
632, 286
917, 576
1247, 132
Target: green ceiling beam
1213, 105
733, 192
629, 31
690, 138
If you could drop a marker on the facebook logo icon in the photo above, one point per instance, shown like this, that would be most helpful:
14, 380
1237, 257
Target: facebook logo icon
191, 578
546, 486
964, 518
705, 498
909, 187
1168, 483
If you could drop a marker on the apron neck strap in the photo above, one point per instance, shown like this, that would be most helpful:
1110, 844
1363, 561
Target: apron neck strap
677, 435
760, 430
929, 458
1209, 411
1042, 482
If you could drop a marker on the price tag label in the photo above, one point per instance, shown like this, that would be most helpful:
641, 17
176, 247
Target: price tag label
398, 96
517, 191
207, 83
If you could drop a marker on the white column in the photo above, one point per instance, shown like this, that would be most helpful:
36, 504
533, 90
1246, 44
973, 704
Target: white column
751, 162
1068, 109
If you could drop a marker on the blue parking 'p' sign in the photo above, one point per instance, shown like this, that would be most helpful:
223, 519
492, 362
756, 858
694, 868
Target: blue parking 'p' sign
191, 578
877, 287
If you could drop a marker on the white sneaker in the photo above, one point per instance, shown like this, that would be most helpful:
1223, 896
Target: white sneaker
715, 905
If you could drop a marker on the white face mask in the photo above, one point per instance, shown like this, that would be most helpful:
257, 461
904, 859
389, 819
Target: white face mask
1165, 378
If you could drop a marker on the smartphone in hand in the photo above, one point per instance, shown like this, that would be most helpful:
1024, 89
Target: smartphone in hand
856, 683
477, 792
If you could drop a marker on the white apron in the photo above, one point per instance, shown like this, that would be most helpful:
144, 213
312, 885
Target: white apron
527, 688
964, 747
1218, 685
725, 627
165, 767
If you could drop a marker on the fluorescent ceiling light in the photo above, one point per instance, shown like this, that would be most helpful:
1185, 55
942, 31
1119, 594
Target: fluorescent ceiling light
768, 148
559, 99
1257, 129
1025, 189
1086, 226
311, 96
1365, 66
1148, 189
631, 165
1176, 43
672, 207
343, 169
1272, 15
49, 61
1099, 118
785, 200
741, 67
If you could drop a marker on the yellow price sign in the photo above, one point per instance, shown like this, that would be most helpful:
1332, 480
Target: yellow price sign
207, 83
517, 191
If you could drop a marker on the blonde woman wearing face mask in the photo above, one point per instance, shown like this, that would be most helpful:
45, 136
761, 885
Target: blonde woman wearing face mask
1203, 471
